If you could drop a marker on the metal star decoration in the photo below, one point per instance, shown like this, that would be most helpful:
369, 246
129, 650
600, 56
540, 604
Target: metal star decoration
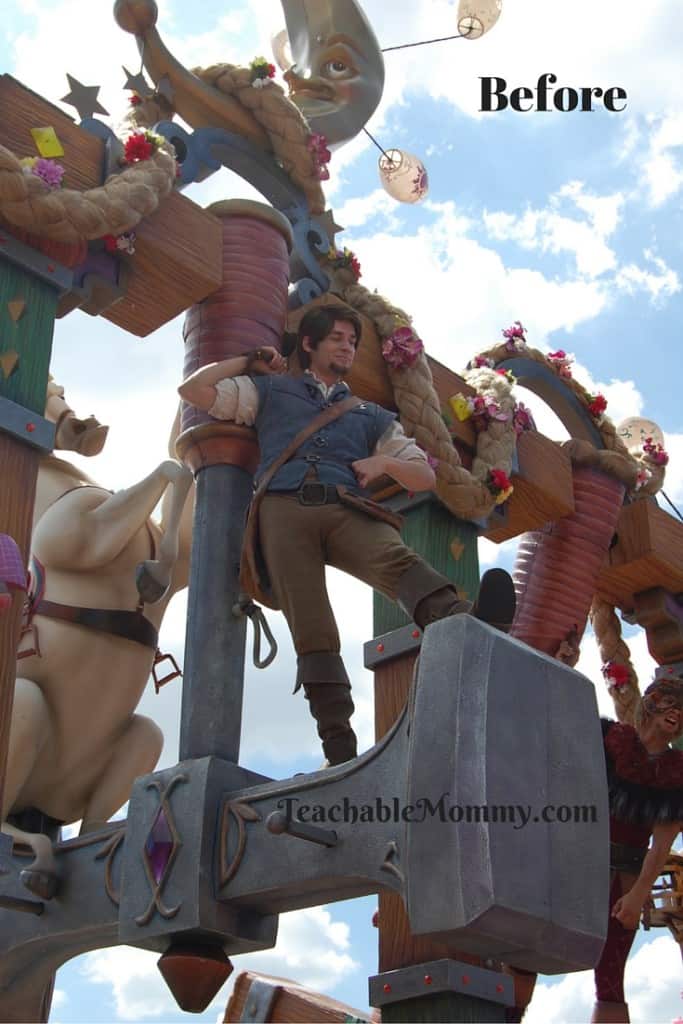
138, 84
83, 98
327, 223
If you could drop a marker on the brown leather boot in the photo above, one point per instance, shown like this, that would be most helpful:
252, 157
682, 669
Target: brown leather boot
328, 692
427, 596
610, 1013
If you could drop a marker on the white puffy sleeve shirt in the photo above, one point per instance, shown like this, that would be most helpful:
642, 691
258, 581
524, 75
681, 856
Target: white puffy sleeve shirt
237, 400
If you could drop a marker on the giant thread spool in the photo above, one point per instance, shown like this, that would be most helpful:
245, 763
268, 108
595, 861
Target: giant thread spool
557, 567
248, 311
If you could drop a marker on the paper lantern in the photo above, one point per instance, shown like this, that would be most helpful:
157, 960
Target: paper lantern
635, 430
475, 17
403, 176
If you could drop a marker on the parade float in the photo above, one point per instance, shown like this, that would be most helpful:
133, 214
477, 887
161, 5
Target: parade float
205, 861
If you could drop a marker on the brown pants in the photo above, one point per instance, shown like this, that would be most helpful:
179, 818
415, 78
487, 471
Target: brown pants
298, 541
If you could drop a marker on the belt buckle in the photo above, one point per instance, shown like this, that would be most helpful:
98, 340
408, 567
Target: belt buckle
313, 493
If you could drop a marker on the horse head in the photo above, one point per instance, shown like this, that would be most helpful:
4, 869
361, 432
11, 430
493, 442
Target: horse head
85, 436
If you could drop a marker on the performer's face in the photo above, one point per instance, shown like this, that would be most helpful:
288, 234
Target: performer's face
666, 714
333, 358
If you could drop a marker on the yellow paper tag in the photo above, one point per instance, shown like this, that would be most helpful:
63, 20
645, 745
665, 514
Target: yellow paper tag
47, 142
460, 407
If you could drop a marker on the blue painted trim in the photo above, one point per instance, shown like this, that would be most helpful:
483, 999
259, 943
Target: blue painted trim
14, 419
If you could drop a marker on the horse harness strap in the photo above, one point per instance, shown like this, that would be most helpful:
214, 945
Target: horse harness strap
129, 625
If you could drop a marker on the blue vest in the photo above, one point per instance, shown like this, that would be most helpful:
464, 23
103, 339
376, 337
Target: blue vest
287, 405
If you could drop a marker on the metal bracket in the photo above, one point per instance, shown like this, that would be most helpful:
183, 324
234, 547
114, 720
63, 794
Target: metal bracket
388, 646
441, 976
26, 425
45, 268
259, 1002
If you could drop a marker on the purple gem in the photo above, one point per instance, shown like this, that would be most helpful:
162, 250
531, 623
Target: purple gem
159, 846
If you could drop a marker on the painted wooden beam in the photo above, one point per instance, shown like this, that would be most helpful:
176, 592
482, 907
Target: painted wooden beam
543, 489
648, 553
177, 259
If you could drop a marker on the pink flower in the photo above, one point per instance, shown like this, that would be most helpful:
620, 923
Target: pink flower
560, 354
522, 419
48, 171
655, 452
515, 337
317, 146
480, 361
402, 348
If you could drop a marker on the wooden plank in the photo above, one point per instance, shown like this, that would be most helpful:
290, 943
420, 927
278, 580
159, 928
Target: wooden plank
661, 616
292, 1002
543, 488
648, 553
178, 250
178, 261
23, 109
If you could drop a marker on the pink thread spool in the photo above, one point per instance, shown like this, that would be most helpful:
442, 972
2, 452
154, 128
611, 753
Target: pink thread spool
557, 567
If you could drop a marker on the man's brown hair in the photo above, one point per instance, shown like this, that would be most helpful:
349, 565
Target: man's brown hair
318, 323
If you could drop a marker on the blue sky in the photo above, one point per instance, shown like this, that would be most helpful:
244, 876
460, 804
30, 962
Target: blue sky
570, 222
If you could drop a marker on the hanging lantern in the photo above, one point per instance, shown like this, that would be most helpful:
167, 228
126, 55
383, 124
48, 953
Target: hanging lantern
477, 16
403, 176
635, 431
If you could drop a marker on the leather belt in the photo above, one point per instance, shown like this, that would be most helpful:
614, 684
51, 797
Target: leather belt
314, 493
129, 625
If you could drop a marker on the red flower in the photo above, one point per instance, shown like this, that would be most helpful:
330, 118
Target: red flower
138, 147
135, 100
597, 405
271, 71
110, 243
616, 674
500, 480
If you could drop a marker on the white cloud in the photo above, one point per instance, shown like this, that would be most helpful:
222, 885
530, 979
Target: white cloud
673, 483
439, 261
59, 998
652, 989
313, 948
358, 211
660, 283
532, 38
551, 231
661, 167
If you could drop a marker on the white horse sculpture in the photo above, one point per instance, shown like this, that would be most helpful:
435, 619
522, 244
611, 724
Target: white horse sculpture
76, 744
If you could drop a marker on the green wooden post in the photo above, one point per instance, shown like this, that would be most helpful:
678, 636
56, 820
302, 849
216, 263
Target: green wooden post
34, 282
450, 546
447, 543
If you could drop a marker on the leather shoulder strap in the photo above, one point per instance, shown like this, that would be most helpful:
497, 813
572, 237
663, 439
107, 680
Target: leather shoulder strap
332, 412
